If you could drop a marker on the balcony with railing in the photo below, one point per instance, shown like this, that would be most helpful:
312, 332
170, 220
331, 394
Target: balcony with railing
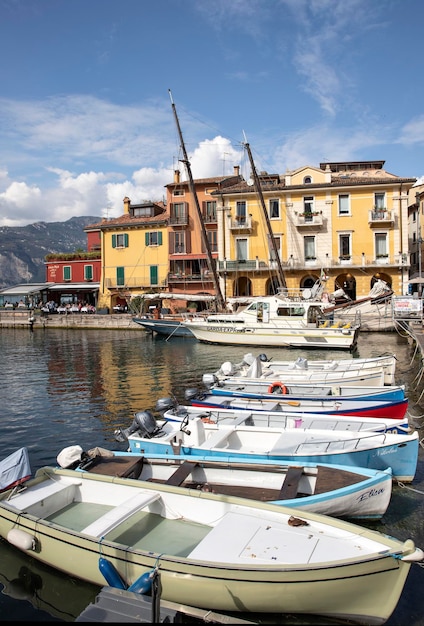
313, 219
178, 219
241, 223
381, 217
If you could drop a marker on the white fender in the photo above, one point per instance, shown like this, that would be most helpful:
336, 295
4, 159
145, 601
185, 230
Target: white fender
21, 539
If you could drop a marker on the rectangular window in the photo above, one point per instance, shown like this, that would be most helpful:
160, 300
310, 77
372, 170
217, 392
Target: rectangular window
344, 208
308, 208
241, 211
154, 274
381, 249
153, 238
179, 213
120, 240
88, 272
344, 247
380, 201
277, 241
209, 211
274, 209
120, 276
178, 192
309, 248
241, 249
179, 239
213, 240
67, 272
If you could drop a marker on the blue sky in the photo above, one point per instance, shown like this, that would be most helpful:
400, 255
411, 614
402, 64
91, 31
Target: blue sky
86, 118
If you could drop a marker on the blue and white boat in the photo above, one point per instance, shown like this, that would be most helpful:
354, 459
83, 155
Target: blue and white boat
337, 490
232, 442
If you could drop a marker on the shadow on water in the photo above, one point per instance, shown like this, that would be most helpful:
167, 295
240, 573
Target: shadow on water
64, 387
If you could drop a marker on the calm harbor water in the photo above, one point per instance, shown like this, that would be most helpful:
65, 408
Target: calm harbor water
66, 387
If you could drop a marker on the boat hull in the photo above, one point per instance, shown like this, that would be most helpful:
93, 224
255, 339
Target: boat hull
272, 336
365, 589
164, 327
371, 408
377, 451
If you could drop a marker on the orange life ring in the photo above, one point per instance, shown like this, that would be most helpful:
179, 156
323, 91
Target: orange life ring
274, 386
207, 420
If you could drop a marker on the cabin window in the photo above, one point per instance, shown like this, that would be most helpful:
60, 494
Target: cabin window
287, 311
344, 204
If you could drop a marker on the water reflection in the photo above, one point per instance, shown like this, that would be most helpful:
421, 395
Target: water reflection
63, 387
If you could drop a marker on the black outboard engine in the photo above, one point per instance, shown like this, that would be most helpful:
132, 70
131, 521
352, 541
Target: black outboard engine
165, 404
144, 423
192, 393
263, 357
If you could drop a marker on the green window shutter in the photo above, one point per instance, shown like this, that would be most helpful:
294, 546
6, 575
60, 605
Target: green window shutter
66, 272
113, 241
88, 272
126, 240
153, 274
120, 276
160, 238
147, 239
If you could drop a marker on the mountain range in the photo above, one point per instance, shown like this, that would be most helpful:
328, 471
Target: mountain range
23, 248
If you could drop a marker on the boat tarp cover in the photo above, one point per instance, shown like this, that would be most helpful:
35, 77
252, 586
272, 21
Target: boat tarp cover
14, 468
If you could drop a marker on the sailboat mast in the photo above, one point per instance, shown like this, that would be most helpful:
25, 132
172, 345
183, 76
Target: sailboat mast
257, 183
211, 264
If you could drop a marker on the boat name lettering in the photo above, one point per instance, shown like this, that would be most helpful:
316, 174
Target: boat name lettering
388, 450
371, 493
218, 329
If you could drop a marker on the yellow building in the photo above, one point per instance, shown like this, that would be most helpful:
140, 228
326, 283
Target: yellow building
345, 220
134, 250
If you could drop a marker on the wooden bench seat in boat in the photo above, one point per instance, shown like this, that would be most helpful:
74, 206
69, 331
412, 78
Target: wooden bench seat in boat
181, 473
120, 513
45, 498
291, 483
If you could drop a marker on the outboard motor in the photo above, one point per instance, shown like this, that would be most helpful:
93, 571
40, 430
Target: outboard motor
301, 363
263, 357
144, 423
209, 380
191, 394
165, 404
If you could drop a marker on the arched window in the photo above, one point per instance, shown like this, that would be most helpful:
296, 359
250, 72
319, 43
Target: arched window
307, 180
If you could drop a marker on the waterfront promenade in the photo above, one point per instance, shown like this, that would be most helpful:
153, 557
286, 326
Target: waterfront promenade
21, 318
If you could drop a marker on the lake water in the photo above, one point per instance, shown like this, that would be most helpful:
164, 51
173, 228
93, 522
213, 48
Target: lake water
66, 387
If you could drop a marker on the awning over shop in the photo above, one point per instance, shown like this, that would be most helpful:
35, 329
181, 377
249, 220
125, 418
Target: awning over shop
25, 289
73, 286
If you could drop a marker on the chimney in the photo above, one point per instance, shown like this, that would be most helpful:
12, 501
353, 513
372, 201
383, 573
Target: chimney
236, 170
177, 176
127, 204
